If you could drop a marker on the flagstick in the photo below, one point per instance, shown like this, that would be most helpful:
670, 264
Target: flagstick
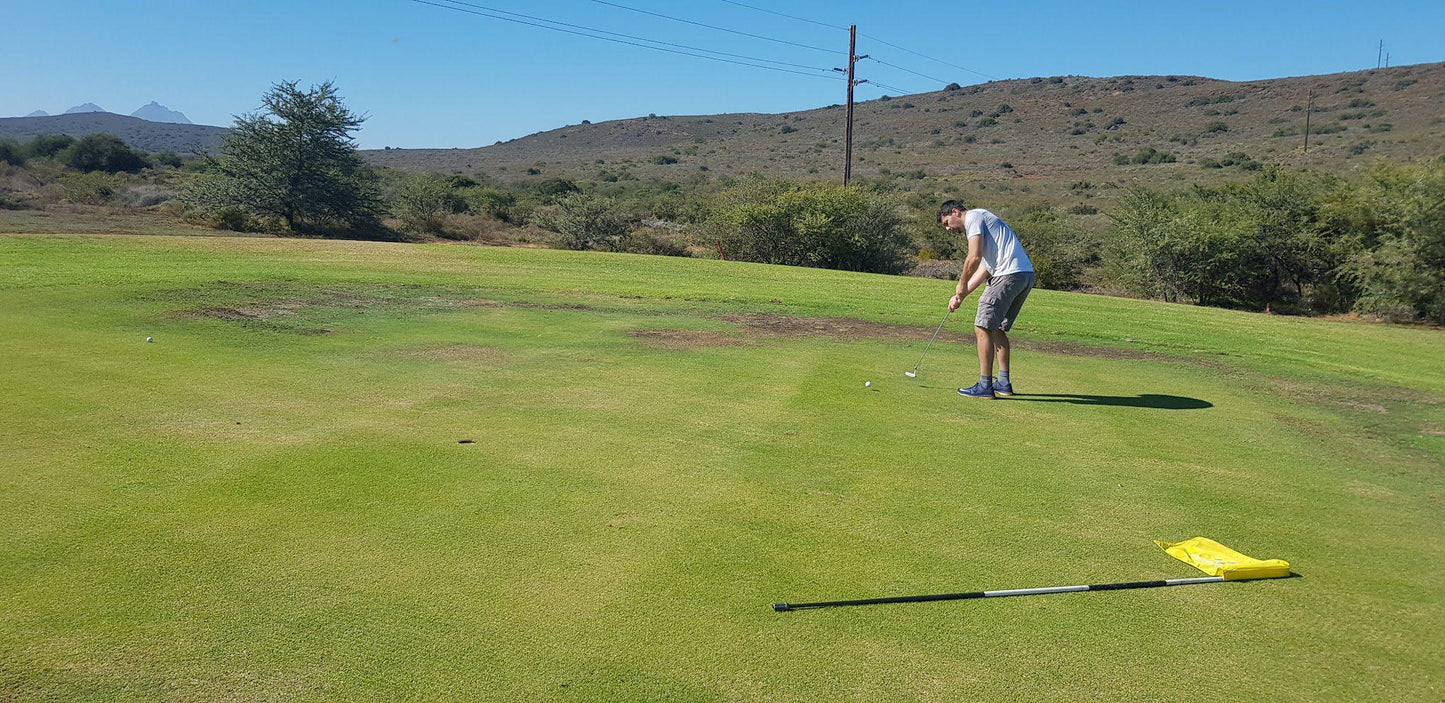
785, 607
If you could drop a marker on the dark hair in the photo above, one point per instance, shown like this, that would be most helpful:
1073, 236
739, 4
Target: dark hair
949, 206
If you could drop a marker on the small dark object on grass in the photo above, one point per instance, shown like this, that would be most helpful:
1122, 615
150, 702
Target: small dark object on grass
466, 441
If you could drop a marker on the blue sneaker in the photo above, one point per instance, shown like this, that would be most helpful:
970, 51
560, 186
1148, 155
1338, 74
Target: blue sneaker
1003, 389
979, 390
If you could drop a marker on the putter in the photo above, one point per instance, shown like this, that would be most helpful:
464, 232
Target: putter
914, 372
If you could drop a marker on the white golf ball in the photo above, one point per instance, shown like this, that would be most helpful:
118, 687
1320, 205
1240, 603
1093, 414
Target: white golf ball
148, 339
867, 384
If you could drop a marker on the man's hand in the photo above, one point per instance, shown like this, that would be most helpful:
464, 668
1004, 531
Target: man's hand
955, 301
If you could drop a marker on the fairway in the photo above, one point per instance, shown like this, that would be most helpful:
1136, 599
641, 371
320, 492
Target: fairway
382, 472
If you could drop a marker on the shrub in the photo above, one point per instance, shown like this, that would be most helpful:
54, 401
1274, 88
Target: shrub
168, 158
987, 122
103, 152
663, 159
585, 221
1395, 228
1213, 127
1152, 156
90, 187
823, 225
46, 146
1058, 248
423, 203
786, 129
11, 152
492, 202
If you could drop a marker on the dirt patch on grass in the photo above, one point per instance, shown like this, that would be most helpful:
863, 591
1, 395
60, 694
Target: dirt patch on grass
753, 327
448, 352
687, 339
288, 306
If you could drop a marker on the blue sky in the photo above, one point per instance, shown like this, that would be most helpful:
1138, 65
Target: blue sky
430, 77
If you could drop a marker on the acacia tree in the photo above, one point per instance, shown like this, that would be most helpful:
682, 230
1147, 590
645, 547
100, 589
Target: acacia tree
295, 159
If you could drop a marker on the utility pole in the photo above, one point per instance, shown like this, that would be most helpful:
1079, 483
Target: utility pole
1308, 110
1387, 59
1378, 53
853, 58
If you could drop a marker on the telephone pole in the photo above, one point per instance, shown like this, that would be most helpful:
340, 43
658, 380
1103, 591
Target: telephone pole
1308, 110
853, 59
1379, 53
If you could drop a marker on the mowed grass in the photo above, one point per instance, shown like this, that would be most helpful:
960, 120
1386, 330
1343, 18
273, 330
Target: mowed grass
270, 502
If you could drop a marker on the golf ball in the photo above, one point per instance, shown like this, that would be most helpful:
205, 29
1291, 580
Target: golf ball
148, 339
867, 384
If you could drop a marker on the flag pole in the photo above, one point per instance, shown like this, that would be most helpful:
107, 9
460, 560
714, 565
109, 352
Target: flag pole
786, 607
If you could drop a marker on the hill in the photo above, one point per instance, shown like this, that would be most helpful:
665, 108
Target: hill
141, 134
1037, 133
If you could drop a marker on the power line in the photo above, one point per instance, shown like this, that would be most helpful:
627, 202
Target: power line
713, 26
630, 36
885, 86
620, 41
780, 14
916, 73
930, 58
866, 36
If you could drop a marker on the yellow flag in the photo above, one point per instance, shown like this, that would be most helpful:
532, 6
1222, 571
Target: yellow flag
1216, 559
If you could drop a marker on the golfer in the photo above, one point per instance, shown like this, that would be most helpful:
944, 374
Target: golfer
994, 255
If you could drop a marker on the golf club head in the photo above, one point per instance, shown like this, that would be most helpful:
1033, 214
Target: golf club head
910, 374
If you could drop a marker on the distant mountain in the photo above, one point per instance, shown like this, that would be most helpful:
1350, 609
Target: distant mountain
156, 112
39, 113
87, 107
140, 134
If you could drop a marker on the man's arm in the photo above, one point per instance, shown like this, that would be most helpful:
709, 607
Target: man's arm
973, 274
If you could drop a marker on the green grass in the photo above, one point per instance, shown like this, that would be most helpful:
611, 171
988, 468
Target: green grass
270, 501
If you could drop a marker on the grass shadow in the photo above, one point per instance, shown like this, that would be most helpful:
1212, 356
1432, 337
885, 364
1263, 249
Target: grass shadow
1145, 400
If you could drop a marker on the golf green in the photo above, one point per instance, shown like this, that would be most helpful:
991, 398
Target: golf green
380, 472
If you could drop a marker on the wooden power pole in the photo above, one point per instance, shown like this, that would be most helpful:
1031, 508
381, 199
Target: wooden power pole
853, 59
1309, 110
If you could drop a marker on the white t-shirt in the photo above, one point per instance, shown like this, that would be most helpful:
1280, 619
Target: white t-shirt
1002, 252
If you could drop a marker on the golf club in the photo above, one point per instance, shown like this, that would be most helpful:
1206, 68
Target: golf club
914, 372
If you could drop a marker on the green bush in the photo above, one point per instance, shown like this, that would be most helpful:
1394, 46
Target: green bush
103, 152
1394, 226
1213, 127
1152, 156
169, 158
424, 202
492, 202
823, 225
585, 221
11, 152
46, 146
1058, 248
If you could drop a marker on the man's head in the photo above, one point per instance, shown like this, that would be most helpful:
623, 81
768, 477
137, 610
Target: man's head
950, 215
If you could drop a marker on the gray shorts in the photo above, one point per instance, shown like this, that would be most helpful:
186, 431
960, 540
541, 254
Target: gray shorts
999, 305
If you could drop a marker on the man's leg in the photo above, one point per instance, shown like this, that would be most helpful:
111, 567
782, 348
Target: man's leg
985, 351
1000, 345
984, 387
1003, 386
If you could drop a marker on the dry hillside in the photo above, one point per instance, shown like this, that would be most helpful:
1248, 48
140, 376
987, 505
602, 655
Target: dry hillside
1038, 134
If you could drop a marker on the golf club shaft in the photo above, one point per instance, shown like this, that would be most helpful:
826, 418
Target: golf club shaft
930, 341
784, 607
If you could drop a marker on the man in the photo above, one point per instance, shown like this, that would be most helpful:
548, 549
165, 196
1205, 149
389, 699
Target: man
995, 255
